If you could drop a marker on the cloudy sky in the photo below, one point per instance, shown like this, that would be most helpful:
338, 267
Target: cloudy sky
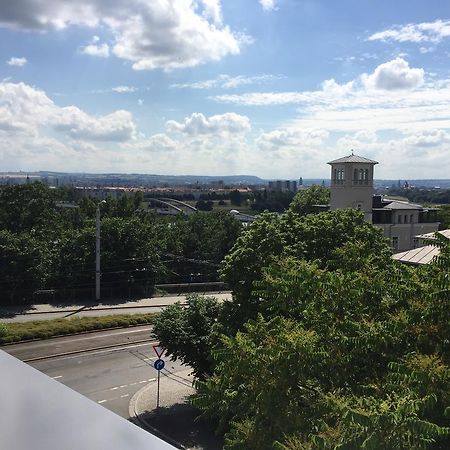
274, 88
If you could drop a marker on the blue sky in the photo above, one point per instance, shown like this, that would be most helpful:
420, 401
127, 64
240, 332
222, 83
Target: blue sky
274, 88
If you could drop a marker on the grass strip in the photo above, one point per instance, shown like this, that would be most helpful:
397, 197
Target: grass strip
44, 329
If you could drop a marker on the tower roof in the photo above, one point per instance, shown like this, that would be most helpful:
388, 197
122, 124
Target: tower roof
353, 159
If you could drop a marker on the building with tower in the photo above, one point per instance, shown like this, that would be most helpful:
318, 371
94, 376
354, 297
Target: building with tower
402, 222
352, 184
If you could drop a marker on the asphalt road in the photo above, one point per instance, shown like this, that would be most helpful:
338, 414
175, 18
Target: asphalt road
109, 377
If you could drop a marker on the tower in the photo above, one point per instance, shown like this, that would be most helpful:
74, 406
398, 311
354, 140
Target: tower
352, 184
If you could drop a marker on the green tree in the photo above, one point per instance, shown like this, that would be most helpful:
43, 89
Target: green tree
236, 197
27, 207
314, 237
21, 268
444, 217
306, 201
187, 332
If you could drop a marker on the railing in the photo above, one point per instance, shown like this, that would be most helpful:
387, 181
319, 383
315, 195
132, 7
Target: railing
361, 182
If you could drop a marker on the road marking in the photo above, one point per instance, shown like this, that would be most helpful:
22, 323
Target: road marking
96, 352
125, 395
102, 401
110, 334
55, 378
114, 388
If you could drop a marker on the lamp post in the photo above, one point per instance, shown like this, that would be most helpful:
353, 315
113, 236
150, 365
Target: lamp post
97, 251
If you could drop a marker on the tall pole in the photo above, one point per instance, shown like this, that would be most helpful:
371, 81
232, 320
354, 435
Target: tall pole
157, 394
97, 254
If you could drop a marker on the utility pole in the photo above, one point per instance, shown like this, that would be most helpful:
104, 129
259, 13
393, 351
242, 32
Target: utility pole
97, 253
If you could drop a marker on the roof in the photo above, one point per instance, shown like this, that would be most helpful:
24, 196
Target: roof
402, 205
41, 413
421, 255
353, 159
445, 233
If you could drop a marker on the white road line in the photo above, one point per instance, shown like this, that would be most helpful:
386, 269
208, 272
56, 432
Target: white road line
123, 385
110, 334
102, 401
125, 395
97, 352
55, 378
114, 388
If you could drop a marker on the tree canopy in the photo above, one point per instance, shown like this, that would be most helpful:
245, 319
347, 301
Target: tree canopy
327, 343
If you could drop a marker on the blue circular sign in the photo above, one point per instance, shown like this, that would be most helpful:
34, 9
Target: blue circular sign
159, 364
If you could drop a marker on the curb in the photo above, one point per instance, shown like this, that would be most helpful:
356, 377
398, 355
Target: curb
91, 309
77, 352
140, 421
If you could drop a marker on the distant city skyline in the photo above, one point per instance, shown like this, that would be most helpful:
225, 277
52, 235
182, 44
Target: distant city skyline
272, 88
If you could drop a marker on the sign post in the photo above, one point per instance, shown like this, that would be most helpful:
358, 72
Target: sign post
158, 365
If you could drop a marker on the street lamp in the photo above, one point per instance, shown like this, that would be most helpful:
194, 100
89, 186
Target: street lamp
97, 251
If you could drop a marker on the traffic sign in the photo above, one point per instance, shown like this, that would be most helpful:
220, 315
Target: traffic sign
159, 364
158, 350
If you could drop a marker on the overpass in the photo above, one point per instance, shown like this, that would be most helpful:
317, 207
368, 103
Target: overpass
170, 206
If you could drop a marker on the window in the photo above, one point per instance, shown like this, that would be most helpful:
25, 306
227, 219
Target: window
338, 176
399, 218
406, 218
411, 218
395, 242
360, 176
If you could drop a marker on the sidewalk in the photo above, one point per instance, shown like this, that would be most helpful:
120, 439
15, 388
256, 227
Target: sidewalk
126, 307
175, 420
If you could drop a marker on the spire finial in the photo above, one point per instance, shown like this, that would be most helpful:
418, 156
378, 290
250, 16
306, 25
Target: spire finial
352, 152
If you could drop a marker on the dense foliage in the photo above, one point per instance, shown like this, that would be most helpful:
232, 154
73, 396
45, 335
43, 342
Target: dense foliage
47, 250
328, 342
420, 195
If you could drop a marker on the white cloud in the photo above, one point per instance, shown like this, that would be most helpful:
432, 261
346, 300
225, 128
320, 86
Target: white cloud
19, 62
198, 124
124, 89
101, 50
395, 75
291, 137
213, 10
29, 112
228, 82
117, 126
267, 5
150, 34
415, 32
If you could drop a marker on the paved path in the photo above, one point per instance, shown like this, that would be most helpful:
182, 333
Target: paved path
47, 311
176, 419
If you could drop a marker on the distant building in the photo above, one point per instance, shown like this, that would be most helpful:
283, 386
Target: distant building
283, 185
401, 222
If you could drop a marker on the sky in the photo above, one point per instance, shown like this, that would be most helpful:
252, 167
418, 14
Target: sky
273, 88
